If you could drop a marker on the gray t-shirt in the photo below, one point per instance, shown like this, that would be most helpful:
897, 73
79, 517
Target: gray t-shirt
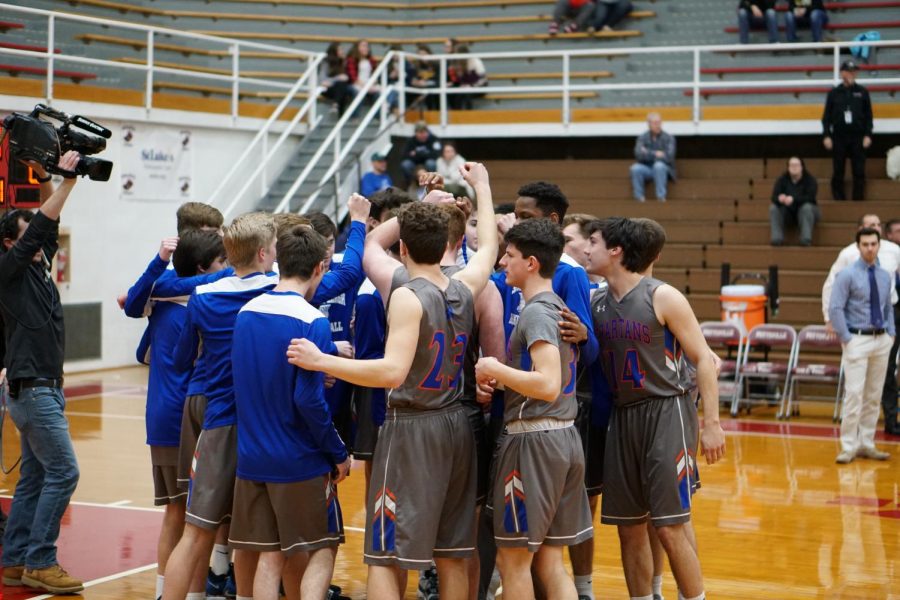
641, 358
539, 322
448, 318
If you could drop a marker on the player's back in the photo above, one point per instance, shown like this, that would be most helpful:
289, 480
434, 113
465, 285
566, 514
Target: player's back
641, 358
539, 321
282, 416
212, 310
448, 318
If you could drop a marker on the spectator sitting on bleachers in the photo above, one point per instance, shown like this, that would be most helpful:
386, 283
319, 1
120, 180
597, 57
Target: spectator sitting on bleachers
757, 13
450, 45
448, 165
378, 178
610, 13
466, 73
805, 13
420, 153
794, 199
580, 11
655, 155
360, 66
426, 76
333, 77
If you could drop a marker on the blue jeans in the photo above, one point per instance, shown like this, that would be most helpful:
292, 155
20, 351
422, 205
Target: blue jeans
815, 20
409, 168
49, 474
746, 20
641, 174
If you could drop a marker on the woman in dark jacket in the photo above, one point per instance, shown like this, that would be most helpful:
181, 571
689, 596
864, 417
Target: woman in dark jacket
794, 199
333, 77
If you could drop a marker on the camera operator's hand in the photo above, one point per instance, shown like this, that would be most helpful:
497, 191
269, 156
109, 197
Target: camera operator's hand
67, 164
167, 248
359, 207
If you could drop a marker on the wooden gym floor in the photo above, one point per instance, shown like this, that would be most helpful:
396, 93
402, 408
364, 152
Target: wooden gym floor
776, 519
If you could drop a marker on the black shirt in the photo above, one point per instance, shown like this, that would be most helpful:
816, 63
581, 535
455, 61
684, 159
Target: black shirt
30, 305
419, 152
855, 99
803, 192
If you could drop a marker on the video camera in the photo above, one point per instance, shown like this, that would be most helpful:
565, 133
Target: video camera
31, 138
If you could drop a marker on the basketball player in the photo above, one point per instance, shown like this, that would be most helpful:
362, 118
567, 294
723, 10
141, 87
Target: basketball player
422, 504
539, 500
644, 326
212, 310
285, 504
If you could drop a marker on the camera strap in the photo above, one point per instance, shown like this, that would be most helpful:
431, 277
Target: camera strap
4, 409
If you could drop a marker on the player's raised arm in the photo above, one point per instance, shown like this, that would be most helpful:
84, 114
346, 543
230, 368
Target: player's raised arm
481, 265
674, 311
403, 317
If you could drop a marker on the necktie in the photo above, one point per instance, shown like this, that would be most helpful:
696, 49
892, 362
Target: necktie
874, 300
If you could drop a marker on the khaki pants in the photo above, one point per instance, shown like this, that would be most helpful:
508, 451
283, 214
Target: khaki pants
864, 360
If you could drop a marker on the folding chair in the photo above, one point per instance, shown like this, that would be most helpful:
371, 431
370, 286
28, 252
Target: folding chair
816, 338
726, 335
764, 338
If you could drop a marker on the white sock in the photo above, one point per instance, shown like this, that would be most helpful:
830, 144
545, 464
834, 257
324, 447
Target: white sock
159, 585
220, 559
583, 586
681, 596
195, 596
657, 585
244, 598
650, 597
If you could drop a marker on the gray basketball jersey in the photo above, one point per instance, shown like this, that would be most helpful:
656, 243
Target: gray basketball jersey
640, 357
448, 318
539, 322
401, 276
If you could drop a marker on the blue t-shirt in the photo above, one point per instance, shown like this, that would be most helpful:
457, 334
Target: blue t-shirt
285, 428
211, 314
373, 182
369, 335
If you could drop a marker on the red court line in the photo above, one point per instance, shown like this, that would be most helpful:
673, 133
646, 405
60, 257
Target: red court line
824, 432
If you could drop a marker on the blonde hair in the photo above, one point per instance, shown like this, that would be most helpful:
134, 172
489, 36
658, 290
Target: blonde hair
583, 220
246, 235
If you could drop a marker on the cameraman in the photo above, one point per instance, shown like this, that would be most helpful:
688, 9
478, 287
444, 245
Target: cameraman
33, 319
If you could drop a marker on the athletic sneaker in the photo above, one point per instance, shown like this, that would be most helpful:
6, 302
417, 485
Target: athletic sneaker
53, 579
428, 585
230, 584
334, 593
215, 584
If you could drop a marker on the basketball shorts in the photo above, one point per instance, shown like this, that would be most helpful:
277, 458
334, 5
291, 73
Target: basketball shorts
292, 517
650, 463
538, 494
421, 502
164, 461
366, 430
191, 425
211, 491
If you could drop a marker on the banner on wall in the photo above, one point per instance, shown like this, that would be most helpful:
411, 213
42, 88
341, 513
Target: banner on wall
157, 164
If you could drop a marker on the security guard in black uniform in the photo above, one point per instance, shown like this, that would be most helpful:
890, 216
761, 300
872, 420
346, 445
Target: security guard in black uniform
847, 122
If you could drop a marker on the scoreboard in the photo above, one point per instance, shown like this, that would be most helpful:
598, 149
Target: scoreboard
19, 187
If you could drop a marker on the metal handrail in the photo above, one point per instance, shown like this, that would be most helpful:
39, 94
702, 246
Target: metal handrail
333, 137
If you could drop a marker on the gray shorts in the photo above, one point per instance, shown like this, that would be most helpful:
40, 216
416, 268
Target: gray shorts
538, 494
164, 461
191, 425
650, 465
211, 491
291, 517
421, 501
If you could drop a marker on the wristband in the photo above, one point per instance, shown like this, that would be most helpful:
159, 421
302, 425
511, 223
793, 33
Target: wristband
44, 179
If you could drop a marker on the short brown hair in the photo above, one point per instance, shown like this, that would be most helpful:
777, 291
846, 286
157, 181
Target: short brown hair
196, 248
246, 235
583, 220
423, 229
287, 221
197, 215
299, 250
456, 224
322, 223
654, 238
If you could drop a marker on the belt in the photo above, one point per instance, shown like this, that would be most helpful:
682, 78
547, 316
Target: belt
542, 424
17, 385
867, 331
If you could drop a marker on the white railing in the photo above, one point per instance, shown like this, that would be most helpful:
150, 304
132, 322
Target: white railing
233, 48
695, 83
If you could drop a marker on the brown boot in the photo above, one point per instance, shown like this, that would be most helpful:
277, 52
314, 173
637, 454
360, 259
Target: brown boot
13, 575
53, 579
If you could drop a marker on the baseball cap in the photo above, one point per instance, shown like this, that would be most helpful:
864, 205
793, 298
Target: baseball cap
420, 125
379, 156
848, 65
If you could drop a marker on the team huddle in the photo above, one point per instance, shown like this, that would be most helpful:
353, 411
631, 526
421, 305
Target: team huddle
493, 401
